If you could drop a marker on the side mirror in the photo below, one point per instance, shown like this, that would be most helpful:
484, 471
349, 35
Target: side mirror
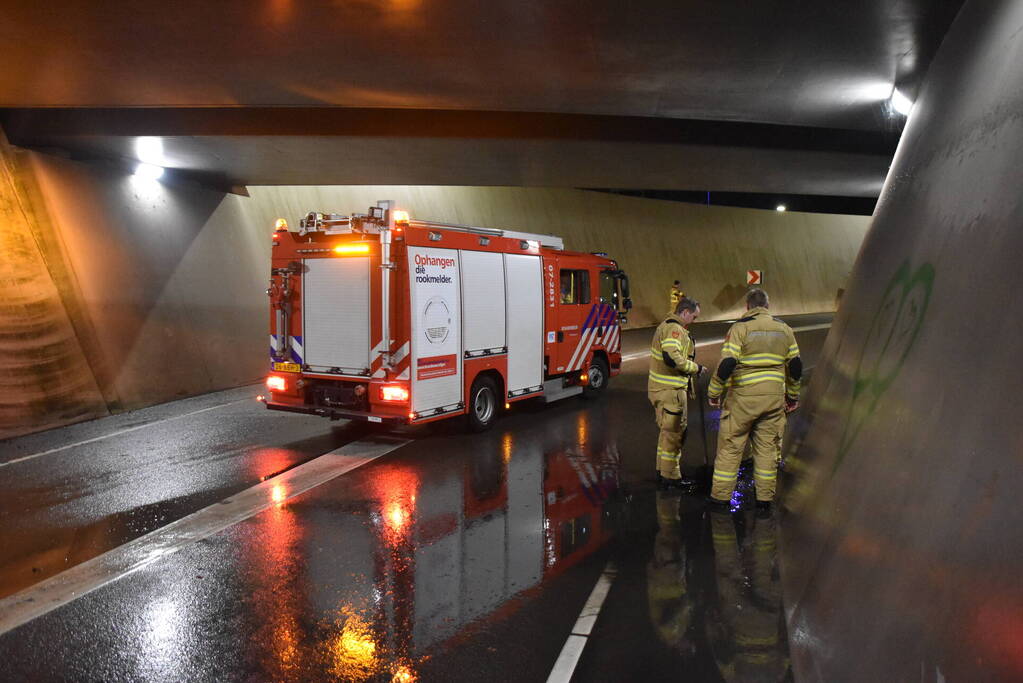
628, 304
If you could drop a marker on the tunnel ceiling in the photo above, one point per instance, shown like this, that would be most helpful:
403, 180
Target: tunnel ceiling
742, 97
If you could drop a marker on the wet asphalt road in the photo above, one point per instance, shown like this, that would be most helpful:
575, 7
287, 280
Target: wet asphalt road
454, 557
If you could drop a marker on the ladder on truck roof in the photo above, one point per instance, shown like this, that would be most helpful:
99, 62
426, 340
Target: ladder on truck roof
549, 241
334, 223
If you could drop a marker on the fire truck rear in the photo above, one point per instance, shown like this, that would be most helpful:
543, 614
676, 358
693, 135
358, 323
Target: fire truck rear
383, 318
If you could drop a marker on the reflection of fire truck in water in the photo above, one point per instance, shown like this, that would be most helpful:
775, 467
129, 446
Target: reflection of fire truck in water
474, 319
426, 552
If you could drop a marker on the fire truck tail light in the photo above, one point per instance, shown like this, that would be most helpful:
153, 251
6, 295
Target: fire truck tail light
392, 393
351, 249
276, 383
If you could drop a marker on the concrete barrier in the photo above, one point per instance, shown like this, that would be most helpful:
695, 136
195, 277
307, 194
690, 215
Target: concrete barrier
901, 547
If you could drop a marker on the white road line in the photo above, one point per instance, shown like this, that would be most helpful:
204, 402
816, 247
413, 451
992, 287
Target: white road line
565, 665
118, 433
718, 340
115, 564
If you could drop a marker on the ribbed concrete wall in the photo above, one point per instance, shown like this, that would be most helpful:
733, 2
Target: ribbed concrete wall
45, 375
902, 555
806, 258
127, 293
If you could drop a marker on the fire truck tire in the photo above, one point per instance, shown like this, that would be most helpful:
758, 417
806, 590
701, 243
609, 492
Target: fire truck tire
598, 374
482, 404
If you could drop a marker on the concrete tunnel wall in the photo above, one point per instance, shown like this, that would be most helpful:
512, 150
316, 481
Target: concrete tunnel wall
125, 293
901, 546
806, 258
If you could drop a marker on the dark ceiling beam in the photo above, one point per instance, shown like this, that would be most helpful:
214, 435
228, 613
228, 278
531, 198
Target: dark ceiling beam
44, 125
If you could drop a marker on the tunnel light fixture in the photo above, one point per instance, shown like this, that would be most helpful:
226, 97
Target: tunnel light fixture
149, 150
148, 171
901, 103
781, 207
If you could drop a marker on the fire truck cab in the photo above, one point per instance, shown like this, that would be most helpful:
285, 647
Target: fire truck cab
384, 318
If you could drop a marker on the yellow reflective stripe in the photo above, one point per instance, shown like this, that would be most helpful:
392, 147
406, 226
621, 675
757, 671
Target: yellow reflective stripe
764, 363
793, 352
725, 476
670, 458
671, 342
757, 377
763, 356
675, 381
723, 537
766, 474
730, 348
756, 641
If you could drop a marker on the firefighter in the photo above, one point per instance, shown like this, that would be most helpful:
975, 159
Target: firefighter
674, 295
761, 368
670, 371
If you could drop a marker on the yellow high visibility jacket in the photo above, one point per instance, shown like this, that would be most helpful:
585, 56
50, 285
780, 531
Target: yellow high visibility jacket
759, 356
670, 365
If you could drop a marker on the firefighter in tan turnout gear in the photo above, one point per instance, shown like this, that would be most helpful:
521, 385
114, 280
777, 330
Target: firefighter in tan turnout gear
761, 369
671, 367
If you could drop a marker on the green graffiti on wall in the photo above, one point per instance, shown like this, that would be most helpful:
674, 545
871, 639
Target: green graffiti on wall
890, 338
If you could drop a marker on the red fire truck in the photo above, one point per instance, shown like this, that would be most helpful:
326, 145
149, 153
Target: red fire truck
475, 319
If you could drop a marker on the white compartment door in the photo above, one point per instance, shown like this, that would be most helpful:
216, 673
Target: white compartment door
335, 314
436, 330
524, 296
483, 314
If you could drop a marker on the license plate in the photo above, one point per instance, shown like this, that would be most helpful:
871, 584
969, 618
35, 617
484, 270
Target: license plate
287, 367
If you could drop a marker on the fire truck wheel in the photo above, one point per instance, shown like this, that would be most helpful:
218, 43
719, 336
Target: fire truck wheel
598, 376
482, 404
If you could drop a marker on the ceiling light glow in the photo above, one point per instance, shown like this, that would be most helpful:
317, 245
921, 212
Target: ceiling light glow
901, 103
780, 207
149, 171
149, 150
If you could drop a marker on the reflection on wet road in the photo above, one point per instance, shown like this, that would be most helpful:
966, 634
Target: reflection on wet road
456, 557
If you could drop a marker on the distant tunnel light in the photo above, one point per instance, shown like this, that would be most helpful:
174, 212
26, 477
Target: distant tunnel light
351, 249
148, 171
781, 207
901, 103
276, 383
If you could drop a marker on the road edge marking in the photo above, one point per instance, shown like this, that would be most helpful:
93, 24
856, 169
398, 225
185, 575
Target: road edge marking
113, 565
564, 666
31, 456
